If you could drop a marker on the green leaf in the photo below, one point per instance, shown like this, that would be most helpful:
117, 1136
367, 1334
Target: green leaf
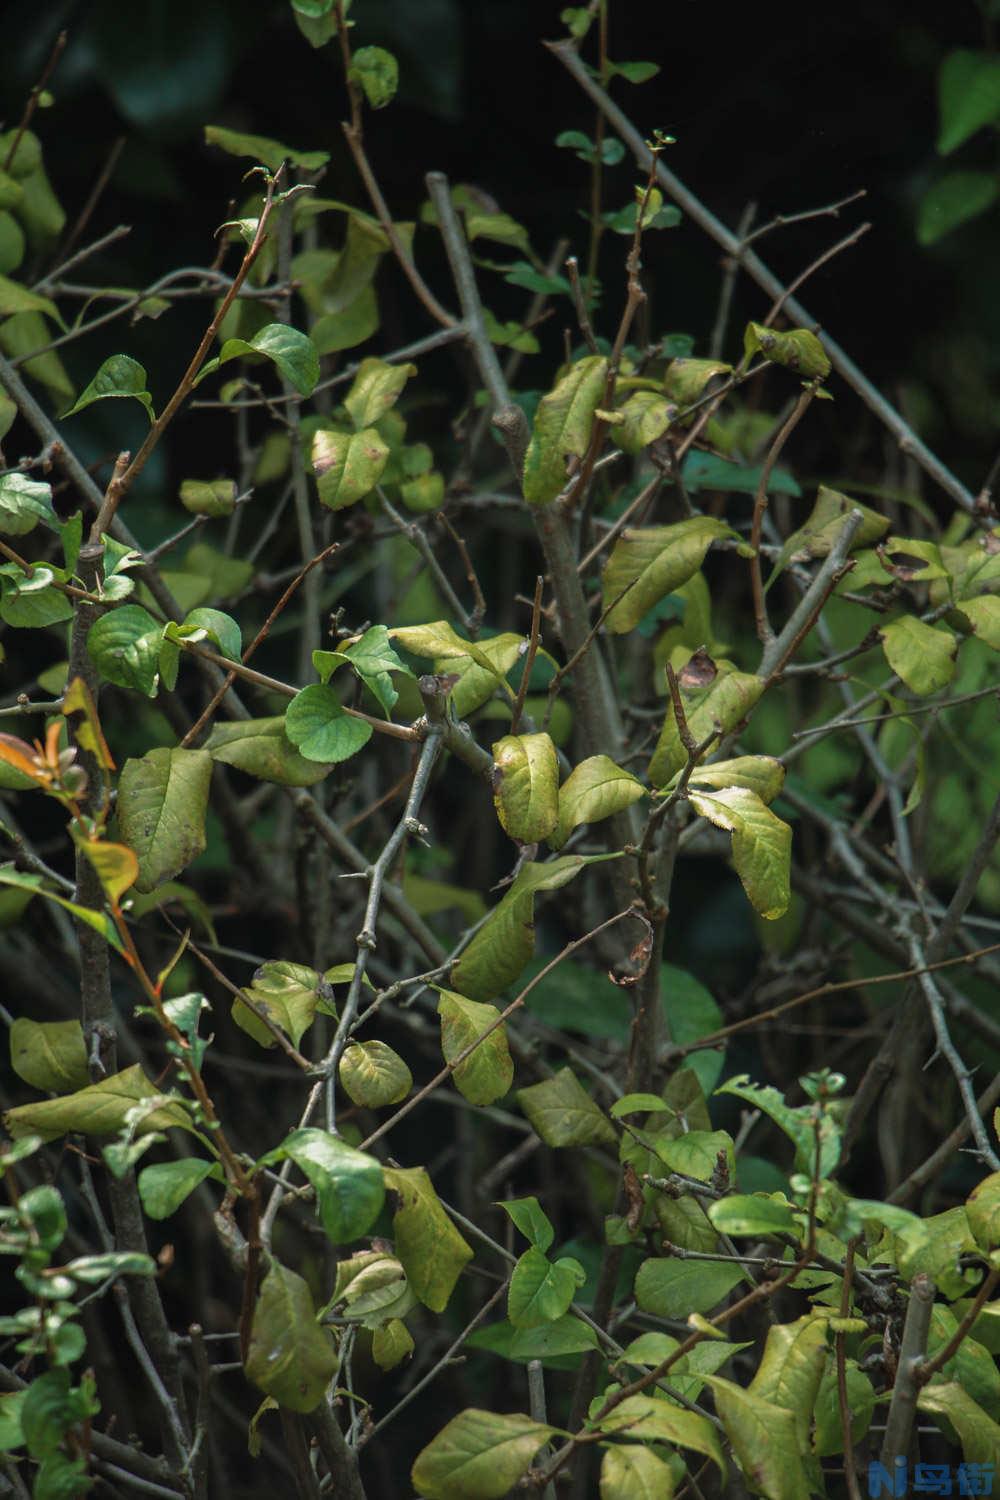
630, 1472
292, 353
46, 1412
25, 880
165, 1186
633, 72
707, 471
50, 1055
11, 1432
479, 1455
728, 698
19, 337
221, 629
318, 726
429, 1246
372, 658
42, 1208
922, 655
696, 1152
978, 1434
372, 1288
23, 503
488, 1072
208, 497
798, 1124
32, 602
349, 1187
373, 1075
525, 786
644, 417
595, 789
120, 375
527, 1215
99, 1109
377, 71
261, 148
674, 1288
541, 1290
828, 1433
653, 1420
562, 428
504, 944
124, 646
15, 298
261, 748
376, 388
764, 1439
481, 667
798, 349
968, 96
817, 534
290, 1357
982, 1209
653, 562
972, 1365
761, 774
496, 226
791, 1369
762, 845
162, 803
348, 465
952, 201
754, 1214
562, 1112
288, 993
983, 614
687, 380
391, 1344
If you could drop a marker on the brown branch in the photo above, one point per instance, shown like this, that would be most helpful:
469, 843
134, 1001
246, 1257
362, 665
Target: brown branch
32, 101
534, 638
764, 632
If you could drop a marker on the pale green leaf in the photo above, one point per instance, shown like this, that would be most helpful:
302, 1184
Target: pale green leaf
164, 1186
562, 428
429, 1246
348, 465
162, 803
670, 1288
261, 149
261, 748
726, 701
373, 1075
762, 845
651, 563
525, 786
764, 1440
488, 1072
375, 389
595, 789
561, 1111
541, 1290
479, 1455
631, 1472
50, 1055
98, 1109
755, 1214
23, 503
290, 1357
922, 655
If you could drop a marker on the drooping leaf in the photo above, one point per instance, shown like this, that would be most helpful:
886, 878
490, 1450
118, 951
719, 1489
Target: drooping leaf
261, 748
98, 1109
791, 1369
50, 1055
562, 428
648, 1418
391, 1344
215, 626
922, 655
764, 1439
803, 1124
632, 1472
23, 503
952, 201
120, 375
688, 379
348, 1183
488, 1072
321, 729
117, 865
644, 417
479, 1455
372, 658
817, 534
561, 1111
504, 944
348, 465
164, 1186
124, 645
430, 1247
762, 845
541, 1290
828, 1428
595, 789
525, 786
983, 614
261, 149
978, 1434
27, 880
290, 1357
760, 774
374, 1075
162, 802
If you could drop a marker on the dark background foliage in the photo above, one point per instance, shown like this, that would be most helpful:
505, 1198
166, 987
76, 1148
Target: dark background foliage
786, 106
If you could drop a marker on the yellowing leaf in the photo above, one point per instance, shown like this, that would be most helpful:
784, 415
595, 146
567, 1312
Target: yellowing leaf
488, 1072
525, 782
429, 1246
562, 427
652, 562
